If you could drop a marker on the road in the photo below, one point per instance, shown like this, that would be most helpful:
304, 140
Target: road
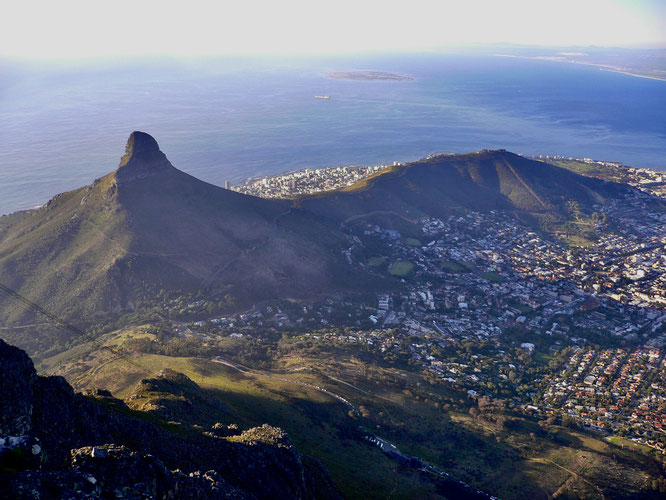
456, 487
249, 371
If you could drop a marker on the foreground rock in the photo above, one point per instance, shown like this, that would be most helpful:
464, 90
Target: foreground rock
58, 444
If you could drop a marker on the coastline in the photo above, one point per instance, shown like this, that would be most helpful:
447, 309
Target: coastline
602, 67
243, 184
368, 75
623, 72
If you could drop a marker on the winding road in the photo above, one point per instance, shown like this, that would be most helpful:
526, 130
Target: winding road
458, 488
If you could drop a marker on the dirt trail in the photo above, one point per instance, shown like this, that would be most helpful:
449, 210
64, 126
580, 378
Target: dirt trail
575, 474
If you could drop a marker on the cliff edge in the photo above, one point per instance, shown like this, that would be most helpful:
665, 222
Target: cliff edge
55, 443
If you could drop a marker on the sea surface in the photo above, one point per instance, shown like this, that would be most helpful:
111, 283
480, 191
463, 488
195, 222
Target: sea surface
62, 126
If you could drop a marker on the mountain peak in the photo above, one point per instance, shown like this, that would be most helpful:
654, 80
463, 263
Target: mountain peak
139, 145
142, 158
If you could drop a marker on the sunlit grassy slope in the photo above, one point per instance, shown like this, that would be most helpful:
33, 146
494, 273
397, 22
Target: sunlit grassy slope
516, 460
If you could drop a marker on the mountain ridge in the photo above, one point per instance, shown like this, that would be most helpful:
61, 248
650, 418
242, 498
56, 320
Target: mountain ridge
497, 179
148, 226
99, 251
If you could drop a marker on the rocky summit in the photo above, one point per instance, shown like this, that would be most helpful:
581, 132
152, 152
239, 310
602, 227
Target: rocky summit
142, 159
58, 444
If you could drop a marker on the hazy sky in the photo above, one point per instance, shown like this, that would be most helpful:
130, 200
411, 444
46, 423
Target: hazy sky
84, 28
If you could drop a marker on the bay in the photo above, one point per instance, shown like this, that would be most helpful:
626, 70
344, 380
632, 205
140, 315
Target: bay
62, 126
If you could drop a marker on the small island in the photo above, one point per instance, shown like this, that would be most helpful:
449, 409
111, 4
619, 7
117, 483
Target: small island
368, 75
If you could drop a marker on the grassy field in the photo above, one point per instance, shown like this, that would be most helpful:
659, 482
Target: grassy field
625, 443
128, 334
493, 277
412, 242
456, 267
401, 268
376, 261
591, 170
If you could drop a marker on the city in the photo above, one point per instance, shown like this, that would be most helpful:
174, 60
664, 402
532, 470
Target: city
527, 301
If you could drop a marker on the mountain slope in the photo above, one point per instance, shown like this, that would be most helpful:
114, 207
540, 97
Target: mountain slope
148, 226
481, 181
95, 253
58, 444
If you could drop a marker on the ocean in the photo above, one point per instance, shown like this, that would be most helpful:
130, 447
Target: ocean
62, 126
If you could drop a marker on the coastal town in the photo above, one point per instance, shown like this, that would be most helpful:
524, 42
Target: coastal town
310, 181
488, 307
307, 181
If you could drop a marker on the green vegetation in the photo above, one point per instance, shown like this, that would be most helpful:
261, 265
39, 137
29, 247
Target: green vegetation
480, 441
367, 182
630, 445
243, 250
401, 269
412, 242
456, 267
318, 424
604, 172
101, 242
493, 277
111, 244
540, 194
130, 334
376, 261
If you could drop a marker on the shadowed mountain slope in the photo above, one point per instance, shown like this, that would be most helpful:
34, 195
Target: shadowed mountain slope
94, 253
149, 226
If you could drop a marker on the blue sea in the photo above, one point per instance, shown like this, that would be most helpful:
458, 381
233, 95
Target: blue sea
62, 126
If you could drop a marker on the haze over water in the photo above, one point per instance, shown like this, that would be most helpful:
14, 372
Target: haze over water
219, 119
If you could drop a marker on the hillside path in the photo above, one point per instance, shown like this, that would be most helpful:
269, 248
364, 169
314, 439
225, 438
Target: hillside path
575, 474
225, 265
520, 179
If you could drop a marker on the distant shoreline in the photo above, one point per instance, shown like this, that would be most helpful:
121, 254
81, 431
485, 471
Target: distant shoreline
369, 76
638, 75
602, 67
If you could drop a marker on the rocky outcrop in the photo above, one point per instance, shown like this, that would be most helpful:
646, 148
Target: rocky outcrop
59, 444
111, 471
173, 396
142, 159
16, 382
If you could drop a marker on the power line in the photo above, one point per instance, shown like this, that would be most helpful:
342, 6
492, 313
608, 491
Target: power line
65, 325
41, 310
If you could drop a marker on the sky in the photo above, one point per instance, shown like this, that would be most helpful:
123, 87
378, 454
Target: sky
48, 29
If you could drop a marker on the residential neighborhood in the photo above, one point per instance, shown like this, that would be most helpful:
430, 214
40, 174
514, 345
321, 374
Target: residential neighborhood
307, 181
488, 306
